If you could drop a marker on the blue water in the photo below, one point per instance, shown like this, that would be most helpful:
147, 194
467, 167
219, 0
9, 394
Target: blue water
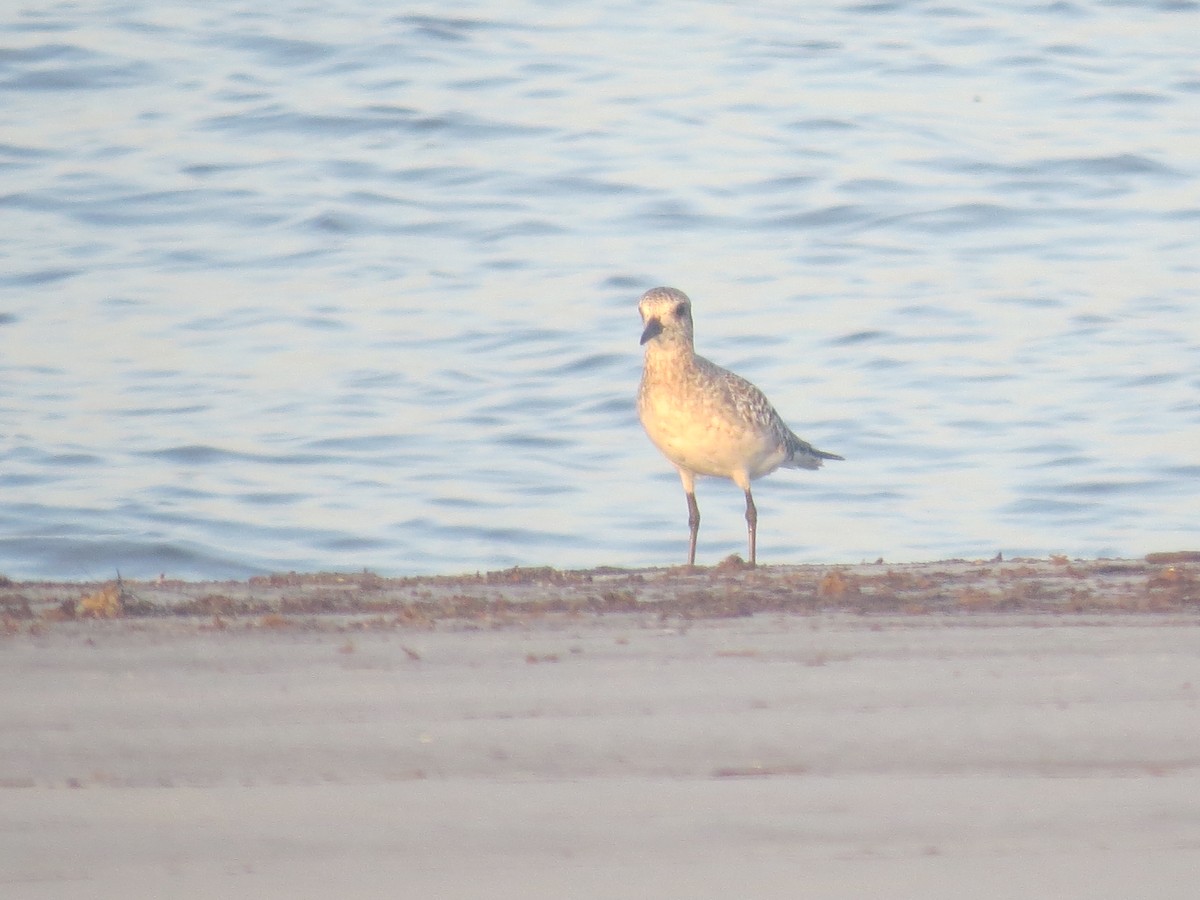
335, 286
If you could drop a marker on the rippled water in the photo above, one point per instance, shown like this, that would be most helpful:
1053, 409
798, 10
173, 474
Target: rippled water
335, 286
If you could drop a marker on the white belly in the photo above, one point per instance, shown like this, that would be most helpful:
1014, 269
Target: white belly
705, 442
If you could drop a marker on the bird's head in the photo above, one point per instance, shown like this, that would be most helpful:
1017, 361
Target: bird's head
666, 315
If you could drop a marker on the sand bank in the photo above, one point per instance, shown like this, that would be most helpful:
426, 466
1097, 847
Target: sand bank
1008, 729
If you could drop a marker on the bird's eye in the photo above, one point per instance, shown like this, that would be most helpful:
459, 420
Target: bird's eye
681, 309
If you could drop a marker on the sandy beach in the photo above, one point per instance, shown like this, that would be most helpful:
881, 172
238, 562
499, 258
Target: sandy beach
1016, 728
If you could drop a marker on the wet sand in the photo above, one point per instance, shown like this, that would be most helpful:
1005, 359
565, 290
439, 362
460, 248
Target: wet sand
1025, 728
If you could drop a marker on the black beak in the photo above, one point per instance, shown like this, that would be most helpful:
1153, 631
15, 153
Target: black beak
653, 330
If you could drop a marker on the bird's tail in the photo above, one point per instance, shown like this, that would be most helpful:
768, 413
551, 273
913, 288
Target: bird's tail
803, 455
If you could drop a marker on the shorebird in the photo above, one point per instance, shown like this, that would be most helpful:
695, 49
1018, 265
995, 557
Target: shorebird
705, 419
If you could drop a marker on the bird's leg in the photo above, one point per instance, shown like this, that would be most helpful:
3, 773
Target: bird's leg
751, 523
693, 526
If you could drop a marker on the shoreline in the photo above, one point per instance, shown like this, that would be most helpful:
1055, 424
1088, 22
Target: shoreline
862, 731
1157, 583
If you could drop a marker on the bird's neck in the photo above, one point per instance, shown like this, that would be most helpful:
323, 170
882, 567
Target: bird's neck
664, 355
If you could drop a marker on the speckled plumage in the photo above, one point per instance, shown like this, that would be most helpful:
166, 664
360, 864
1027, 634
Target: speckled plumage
705, 419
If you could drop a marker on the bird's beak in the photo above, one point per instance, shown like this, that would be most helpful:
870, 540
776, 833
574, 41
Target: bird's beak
653, 329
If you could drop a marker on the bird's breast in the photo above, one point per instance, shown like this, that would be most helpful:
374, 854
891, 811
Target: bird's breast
696, 431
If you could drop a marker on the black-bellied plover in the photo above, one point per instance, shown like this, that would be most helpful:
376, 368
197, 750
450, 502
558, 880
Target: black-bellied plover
705, 419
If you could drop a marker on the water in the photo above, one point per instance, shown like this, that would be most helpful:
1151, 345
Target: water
335, 286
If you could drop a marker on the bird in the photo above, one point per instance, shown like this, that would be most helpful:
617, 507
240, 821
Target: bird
705, 419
